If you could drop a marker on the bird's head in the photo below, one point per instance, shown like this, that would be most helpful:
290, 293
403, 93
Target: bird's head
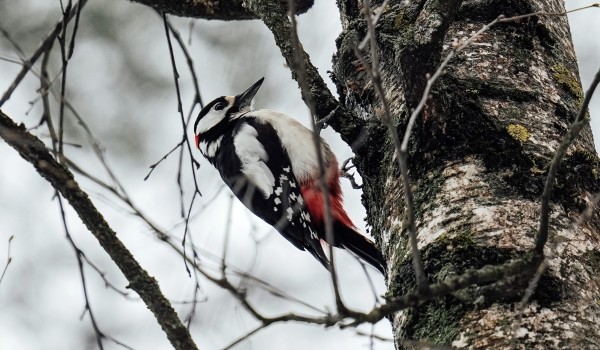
224, 107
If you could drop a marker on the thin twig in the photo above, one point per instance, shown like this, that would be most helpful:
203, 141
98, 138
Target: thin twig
108, 284
372, 335
40, 50
585, 215
300, 69
574, 129
440, 70
8, 258
61, 38
44, 87
74, 32
227, 234
153, 166
34, 151
189, 60
401, 155
246, 336
78, 254
179, 105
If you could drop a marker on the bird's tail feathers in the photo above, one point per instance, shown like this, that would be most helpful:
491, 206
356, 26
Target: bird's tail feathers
316, 249
360, 245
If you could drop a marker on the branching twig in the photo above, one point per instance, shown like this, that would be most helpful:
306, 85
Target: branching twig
585, 215
40, 50
153, 166
79, 254
179, 105
184, 123
61, 38
345, 168
189, 60
34, 151
107, 283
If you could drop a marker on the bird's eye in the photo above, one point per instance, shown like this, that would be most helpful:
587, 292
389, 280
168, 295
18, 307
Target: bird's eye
219, 106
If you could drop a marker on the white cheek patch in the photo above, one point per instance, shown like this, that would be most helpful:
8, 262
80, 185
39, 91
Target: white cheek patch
297, 141
253, 156
210, 120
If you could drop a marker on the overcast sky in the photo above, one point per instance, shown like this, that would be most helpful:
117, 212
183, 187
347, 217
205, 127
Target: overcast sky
121, 82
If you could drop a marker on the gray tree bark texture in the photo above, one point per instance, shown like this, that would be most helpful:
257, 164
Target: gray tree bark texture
478, 160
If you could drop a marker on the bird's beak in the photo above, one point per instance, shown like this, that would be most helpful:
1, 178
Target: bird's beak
197, 141
244, 100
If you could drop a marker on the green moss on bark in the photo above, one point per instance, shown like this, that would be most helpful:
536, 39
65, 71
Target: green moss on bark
578, 173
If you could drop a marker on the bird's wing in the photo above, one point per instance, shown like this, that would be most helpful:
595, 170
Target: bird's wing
268, 187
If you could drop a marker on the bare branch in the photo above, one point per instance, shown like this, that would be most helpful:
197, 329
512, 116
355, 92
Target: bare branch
179, 106
34, 151
343, 121
46, 44
230, 10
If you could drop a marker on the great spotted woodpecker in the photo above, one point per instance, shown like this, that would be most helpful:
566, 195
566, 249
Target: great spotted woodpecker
270, 163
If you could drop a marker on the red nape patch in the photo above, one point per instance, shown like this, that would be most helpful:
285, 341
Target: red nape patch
197, 140
313, 197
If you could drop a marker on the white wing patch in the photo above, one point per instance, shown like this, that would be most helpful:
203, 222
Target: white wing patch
253, 156
298, 143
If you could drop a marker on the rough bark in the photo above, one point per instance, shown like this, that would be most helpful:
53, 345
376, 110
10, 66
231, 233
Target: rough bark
215, 9
478, 160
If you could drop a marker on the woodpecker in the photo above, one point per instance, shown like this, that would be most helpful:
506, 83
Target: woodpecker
270, 163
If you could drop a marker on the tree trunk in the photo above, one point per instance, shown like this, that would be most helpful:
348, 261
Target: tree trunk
478, 161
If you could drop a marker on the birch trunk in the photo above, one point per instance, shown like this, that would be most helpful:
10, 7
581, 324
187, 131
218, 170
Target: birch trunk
478, 160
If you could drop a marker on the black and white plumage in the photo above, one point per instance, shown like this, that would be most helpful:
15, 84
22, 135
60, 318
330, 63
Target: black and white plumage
270, 163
